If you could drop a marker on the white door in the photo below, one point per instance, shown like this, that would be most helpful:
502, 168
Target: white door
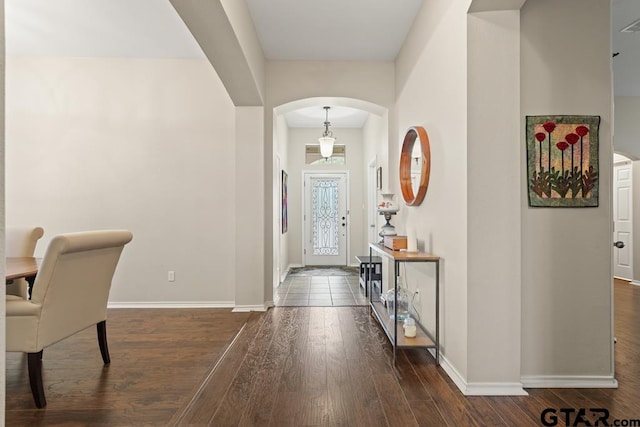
622, 217
325, 218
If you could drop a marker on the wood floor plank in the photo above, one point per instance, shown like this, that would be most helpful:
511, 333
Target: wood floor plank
392, 399
287, 408
534, 404
512, 414
267, 381
237, 397
292, 372
341, 392
394, 403
420, 400
481, 409
208, 397
450, 402
366, 409
295, 403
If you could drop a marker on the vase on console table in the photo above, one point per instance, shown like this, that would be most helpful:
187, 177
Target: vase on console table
387, 208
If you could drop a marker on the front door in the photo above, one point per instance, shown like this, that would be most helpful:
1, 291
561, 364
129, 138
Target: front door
623, 220
325, 218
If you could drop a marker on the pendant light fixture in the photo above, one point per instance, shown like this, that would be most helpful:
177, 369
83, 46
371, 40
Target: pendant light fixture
326, 140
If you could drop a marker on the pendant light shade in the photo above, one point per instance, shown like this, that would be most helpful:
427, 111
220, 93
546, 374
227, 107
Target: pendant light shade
326, 146
326, 140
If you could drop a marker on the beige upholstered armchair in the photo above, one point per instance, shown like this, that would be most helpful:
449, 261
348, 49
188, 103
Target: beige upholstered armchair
69, 295
21, 242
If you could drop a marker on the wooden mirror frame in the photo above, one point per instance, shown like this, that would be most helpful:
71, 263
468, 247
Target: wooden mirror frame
413, 133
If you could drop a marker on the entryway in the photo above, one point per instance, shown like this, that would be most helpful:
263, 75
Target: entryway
321, 286
325, 218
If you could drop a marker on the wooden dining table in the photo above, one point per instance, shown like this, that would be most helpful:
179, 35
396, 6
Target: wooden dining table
22, 268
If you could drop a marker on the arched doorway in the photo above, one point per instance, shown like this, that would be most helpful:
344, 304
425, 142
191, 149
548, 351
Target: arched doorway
361, 129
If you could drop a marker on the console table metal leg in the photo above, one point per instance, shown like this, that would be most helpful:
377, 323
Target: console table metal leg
369, 285
396, 270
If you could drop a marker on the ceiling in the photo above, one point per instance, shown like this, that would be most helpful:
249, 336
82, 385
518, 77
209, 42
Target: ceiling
313, 30
626, 65
97, 28
332, 30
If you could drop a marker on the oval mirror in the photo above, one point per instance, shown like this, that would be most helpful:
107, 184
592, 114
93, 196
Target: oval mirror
415, 165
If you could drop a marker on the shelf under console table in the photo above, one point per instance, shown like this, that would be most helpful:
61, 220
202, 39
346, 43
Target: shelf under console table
423, 338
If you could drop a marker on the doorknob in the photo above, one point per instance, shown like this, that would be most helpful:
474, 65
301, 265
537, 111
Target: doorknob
619, 244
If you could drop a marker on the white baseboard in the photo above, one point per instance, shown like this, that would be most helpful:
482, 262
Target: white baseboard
479, 389
495, 389
177, 304
518, 389
635, 282
247, 308
193, 304
451, 371
288, 269
569, 381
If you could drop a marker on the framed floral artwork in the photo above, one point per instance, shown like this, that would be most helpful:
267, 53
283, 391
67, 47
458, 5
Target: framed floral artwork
285, 202
562, 161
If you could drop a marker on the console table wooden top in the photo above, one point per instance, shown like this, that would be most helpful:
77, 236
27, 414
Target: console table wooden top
403, 255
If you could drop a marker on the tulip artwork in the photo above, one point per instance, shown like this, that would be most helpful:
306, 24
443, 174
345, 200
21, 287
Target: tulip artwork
562, 161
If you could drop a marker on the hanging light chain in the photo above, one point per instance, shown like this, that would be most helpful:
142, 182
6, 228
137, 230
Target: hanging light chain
327, 132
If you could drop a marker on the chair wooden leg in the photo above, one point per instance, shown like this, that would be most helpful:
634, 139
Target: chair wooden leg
34, 361
102, 341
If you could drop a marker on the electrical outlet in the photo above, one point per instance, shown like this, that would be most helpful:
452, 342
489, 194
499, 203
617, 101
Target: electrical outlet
171, 276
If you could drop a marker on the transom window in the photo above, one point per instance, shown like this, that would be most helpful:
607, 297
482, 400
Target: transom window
313, 156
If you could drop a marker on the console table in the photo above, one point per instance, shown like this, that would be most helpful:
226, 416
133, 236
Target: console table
390, 326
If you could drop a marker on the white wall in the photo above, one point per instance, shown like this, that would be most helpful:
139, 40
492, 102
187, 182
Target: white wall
2, 214
493, 160
352, 139
445, 84
375, 138
280, 141
431, 70
566, 257
249, 198
626, 138
142, 144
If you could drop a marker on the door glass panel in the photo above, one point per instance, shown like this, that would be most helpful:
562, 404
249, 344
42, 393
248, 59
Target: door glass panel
325, 221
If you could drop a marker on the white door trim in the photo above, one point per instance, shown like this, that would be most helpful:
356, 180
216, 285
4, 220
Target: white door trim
372, 193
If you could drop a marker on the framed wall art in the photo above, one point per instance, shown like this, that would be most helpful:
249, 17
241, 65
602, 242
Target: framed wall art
562, 161
285, 217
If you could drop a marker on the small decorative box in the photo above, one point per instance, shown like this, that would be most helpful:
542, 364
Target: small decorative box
395, 242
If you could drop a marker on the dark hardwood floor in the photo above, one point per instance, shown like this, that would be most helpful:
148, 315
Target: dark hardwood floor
158, 359
289, 366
